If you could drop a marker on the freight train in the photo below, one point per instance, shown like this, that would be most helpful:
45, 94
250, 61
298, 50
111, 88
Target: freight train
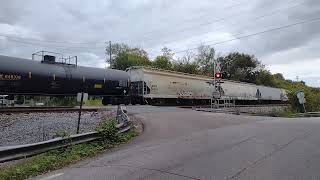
138, 85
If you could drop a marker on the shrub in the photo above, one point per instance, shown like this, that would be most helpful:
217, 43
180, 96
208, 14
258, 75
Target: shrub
108, 131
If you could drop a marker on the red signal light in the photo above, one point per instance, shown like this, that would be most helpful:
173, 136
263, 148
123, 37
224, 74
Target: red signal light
218, 75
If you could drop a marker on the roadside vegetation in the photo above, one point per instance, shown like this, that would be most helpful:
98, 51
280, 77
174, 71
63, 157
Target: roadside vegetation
46, 101
312, 94
96, 101
62, 157
61, 101
288, 113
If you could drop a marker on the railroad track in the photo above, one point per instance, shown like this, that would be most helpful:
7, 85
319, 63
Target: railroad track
43, 109
257, 105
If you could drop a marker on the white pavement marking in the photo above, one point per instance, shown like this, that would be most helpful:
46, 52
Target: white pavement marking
52, 176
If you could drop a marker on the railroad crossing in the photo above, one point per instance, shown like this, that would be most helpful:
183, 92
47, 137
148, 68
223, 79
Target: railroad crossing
185, 144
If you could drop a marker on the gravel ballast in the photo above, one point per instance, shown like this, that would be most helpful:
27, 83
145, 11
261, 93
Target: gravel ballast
22, 128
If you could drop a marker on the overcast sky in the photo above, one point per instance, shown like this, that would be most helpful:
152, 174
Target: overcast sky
81, 27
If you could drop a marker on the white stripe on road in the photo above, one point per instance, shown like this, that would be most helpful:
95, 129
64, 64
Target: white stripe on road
52, 176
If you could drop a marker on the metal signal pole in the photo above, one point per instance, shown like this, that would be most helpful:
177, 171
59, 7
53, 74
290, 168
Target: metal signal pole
214, 73
80, 109
214, 83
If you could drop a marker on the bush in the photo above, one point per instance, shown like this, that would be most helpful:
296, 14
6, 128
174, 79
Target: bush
108, 131
62, 133
312, 95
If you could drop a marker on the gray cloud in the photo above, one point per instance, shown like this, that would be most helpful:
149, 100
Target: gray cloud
152, 24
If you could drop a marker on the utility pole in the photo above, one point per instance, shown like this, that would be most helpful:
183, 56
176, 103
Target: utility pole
110, 54
214, 83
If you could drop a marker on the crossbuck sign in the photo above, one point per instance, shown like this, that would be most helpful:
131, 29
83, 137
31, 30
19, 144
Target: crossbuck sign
301, 97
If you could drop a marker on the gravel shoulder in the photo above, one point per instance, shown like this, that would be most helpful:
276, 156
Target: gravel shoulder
22, 128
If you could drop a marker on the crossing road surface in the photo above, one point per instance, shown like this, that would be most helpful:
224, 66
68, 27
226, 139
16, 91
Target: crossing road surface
185, 144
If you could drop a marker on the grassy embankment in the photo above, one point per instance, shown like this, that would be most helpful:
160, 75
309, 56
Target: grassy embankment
312, 96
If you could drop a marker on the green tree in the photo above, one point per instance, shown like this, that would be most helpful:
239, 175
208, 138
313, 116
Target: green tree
278, 76
124, 56
242, 67
116, 50
162, 62
264, 77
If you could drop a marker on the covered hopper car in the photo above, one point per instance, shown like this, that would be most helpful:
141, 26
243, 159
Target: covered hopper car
155, 86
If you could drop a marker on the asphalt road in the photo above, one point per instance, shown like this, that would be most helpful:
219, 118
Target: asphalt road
185, 144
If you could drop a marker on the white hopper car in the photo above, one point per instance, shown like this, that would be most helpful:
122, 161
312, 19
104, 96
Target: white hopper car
155, 86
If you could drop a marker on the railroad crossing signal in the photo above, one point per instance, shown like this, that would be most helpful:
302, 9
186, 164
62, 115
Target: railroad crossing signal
218, 75
85, 97
223, 75
301, 98
226, 75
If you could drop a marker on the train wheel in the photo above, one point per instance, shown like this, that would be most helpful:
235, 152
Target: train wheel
136, 100
10, 97
114, 101
151, 101
126, 101
106, 101
20, 100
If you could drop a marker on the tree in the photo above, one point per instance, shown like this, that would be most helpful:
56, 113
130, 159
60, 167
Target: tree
186, 64
139, 57
124, 56
264, 77
162, 62
116, 50
122, 61
166, 52
278, 76
242, 67
205, 59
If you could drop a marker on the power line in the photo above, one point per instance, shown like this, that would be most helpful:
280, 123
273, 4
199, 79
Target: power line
68, 48
244, 36
225, 18
47, 41
68, 42
254, 34
181, 30
54, 48
190, 20
35, 44
268, 14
